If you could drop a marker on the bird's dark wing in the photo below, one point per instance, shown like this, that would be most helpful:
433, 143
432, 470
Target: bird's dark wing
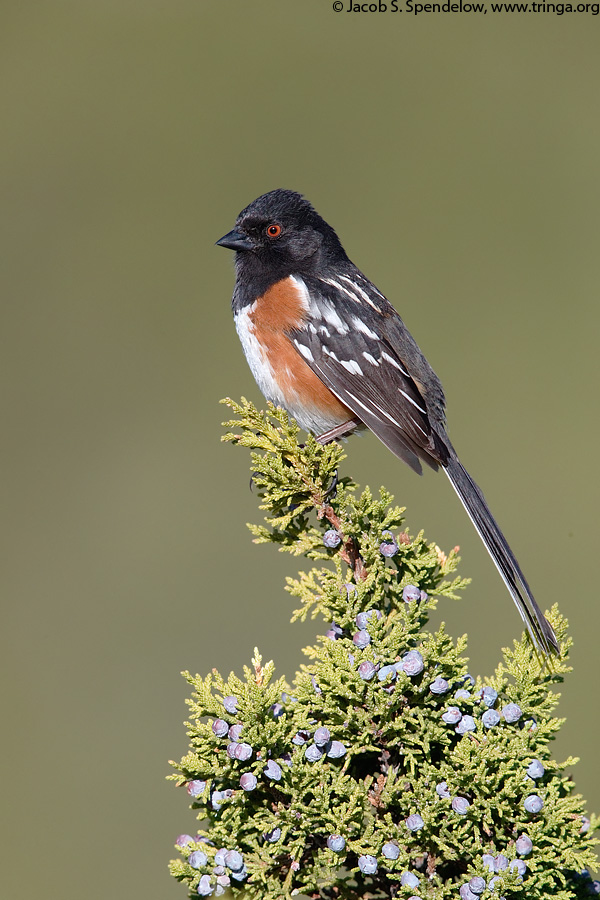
354, 340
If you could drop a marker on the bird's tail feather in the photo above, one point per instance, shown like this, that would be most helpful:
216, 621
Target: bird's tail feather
497, 546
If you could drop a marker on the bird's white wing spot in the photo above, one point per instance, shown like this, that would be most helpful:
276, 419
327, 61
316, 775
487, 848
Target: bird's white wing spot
355, 294
364, 328
370, 358
351, 366
332, 318
304, 351
394, 362
362, 295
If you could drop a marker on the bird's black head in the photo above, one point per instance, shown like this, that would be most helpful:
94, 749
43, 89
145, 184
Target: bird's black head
280, 234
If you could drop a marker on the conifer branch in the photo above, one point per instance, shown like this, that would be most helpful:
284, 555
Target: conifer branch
385, 769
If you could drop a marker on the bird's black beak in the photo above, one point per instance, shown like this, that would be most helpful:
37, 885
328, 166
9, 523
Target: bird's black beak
235, 240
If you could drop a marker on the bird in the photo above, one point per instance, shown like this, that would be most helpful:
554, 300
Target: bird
326, 345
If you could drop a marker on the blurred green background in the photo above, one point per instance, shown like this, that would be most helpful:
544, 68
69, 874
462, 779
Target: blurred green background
457, 156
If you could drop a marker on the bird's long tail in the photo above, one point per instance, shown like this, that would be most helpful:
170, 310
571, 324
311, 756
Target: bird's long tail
497, 546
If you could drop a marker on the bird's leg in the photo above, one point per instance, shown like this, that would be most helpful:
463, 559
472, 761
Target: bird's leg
338, 432
331, 435
332, 489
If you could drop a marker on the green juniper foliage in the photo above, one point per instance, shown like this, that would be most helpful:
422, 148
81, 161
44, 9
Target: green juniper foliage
385, 769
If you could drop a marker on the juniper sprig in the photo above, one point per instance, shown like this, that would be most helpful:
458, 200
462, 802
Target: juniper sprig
385, 769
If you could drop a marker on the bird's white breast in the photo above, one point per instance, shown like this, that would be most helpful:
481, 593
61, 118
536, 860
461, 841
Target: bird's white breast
256, 356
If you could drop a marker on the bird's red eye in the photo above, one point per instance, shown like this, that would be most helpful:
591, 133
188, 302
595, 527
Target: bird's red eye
274, 230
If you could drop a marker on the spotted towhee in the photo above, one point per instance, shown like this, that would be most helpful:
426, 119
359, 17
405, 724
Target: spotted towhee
325, 344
